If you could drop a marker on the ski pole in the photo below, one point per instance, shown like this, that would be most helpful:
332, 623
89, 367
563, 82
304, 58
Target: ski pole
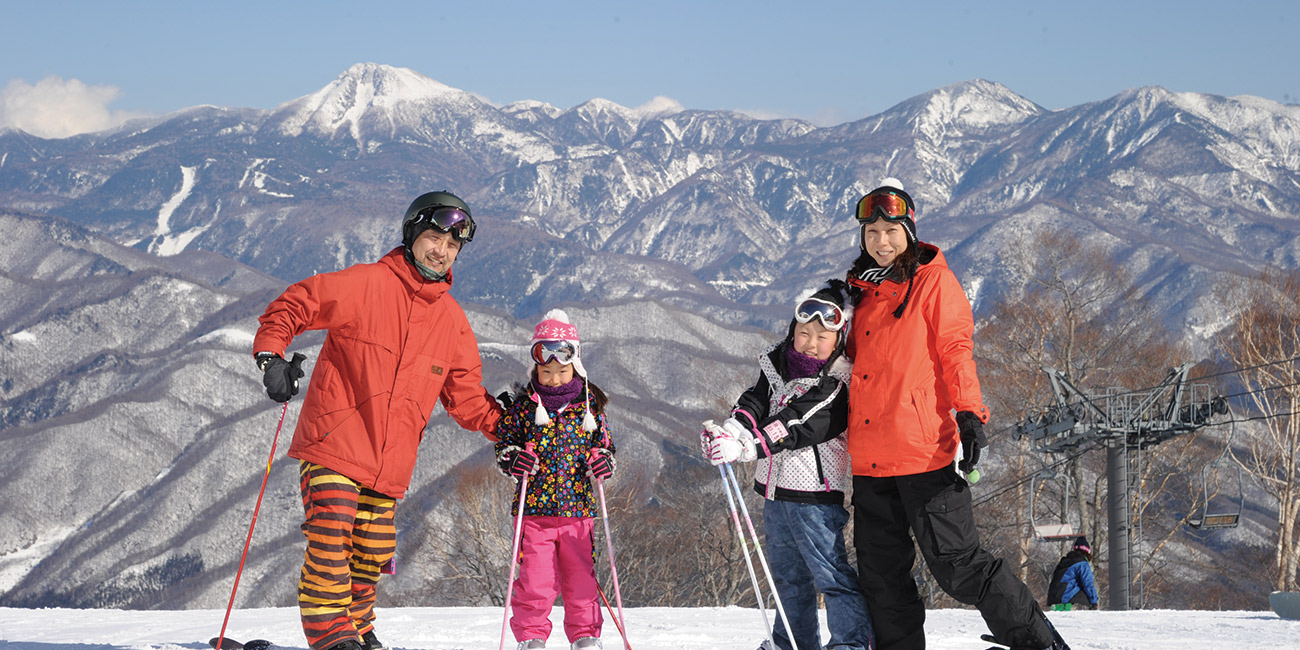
613, 572
762, 560
605, 599
222, 636
744, 547
514, 551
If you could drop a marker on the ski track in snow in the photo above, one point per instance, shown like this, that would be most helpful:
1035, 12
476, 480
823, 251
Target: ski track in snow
650, 628
165, 212
170, 244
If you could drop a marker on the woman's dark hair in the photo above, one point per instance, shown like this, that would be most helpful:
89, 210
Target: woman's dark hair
904, 265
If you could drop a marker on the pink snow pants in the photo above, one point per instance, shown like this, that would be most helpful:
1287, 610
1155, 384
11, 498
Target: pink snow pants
555, 559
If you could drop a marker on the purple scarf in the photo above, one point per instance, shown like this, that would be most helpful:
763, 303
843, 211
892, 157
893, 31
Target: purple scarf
554, 397
800, 365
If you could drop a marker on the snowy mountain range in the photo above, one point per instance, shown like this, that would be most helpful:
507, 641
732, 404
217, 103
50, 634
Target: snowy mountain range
135, 262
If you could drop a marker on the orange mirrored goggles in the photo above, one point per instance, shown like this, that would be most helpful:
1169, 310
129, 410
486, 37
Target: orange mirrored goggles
883, 204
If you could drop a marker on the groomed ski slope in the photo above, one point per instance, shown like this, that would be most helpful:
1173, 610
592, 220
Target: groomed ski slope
651, 628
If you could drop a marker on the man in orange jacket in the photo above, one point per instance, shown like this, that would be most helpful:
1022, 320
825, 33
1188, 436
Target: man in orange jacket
396, 344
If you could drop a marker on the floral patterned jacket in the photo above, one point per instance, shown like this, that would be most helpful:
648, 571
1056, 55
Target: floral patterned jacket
560, 488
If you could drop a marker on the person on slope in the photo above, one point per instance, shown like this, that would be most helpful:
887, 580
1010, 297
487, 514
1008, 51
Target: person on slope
555, 429
1071, 582
915, 411
793, 420
396, 344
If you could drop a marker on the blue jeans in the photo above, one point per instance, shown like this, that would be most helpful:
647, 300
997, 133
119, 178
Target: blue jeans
805, 549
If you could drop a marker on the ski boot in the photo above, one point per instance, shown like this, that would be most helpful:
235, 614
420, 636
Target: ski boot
371, 642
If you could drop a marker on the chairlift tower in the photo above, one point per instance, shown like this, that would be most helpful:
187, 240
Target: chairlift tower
1125, 423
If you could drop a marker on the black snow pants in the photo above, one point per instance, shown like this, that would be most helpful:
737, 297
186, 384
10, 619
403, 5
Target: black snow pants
936, 508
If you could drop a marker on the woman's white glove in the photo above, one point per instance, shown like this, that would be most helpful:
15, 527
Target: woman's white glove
729, 442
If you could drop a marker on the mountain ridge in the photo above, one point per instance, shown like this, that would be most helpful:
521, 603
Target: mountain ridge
674, 238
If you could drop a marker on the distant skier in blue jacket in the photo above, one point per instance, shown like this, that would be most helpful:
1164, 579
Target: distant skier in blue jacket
1072, 580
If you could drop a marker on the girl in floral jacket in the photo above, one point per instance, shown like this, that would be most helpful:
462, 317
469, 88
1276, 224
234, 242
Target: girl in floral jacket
555, 431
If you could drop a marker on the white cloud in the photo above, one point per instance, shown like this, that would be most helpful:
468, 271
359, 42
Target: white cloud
660, 105
58, 108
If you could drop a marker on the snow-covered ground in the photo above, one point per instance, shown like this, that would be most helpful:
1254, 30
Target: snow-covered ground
651, 628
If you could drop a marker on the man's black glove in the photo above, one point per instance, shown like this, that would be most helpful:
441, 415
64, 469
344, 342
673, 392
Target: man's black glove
505, 399
517, 462
279, 376
972, 440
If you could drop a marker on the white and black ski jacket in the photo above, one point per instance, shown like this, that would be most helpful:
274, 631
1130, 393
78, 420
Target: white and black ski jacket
803, 453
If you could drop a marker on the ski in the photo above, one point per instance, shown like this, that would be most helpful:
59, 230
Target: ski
231, 644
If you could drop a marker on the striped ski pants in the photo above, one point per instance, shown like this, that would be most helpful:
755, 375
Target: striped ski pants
350, 536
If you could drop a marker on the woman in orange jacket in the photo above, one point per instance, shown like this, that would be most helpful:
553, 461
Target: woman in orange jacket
915, 430
396, 344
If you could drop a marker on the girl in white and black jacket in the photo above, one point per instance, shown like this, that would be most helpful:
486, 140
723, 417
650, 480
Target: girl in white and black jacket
793, 420
798, 421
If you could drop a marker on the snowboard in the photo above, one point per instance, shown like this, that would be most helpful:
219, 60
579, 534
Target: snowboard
1057, 642
1285, 604
231, 644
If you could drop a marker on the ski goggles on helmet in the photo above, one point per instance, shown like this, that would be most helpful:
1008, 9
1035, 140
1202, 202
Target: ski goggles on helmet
830, 314
883, 204
544, 352
447, 219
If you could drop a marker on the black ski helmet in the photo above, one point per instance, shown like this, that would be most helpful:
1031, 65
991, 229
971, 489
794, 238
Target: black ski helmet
888, 186
441, 199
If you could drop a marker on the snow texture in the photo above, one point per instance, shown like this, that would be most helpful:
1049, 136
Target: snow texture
649, 628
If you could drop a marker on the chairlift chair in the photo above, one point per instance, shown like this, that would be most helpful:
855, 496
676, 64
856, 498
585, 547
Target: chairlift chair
1219, 517
1053, 531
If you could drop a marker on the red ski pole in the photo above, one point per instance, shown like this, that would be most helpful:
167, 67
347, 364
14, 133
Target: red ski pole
609, 609
222, 637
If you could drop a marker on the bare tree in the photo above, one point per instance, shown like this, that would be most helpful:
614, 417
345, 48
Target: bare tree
1263, 343
1081, 313
472, 550
677, 545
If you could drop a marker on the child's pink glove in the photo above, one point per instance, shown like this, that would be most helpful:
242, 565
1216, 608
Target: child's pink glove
517, 462
600, 463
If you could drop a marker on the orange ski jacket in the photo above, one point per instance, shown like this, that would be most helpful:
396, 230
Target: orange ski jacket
910, 374
395, 344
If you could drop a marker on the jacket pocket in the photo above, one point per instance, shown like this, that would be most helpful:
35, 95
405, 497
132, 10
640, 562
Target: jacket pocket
328, 400
430, 373
924, 402
949, 523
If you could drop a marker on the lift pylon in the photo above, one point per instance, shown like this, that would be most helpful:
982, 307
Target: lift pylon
1124, 422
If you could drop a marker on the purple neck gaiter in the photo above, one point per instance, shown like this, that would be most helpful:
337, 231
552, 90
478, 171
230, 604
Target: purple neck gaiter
553, 397
801, 365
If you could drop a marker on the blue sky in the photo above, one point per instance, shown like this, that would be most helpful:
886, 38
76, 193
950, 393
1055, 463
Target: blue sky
90, 63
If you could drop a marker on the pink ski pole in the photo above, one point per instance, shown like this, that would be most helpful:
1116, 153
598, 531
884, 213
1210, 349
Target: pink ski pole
613, 572
514, 551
